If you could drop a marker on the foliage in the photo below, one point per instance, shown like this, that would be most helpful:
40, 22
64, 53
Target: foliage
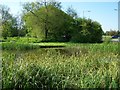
40, 20
18, 46
67, 29
112, 32
55, 3
9, 23
71, 12
43, 24
84, 66
11, 26
87, 31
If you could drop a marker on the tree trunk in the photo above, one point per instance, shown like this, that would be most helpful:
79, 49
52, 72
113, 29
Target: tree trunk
46, 32
46, 20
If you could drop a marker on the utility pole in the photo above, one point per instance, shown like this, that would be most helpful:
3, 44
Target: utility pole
118, 22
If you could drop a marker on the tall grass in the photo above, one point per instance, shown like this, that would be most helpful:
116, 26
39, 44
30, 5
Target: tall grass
103, 47
90, 66
18, 46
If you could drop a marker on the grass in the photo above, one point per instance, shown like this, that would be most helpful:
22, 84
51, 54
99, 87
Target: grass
76, 66
22, 39
26, 43
18, 46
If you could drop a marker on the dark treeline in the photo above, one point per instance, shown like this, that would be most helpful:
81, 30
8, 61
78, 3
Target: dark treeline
112, 33
47, 21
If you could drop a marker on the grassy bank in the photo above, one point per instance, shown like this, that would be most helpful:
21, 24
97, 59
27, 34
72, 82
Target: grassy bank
76, 66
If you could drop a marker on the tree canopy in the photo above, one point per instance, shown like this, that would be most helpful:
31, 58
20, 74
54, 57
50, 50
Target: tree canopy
9, 24
46, 20
87, 31
6, 21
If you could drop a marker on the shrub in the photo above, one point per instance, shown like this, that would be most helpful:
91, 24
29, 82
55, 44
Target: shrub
87, 31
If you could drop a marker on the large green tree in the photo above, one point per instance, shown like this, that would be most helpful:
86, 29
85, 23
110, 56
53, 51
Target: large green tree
47, 21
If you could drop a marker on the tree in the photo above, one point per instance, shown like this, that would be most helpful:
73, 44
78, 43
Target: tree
71, 12
87, 31
9, 23
97, 32
43, 22
111, 32
21, 28
48, 22
55, 4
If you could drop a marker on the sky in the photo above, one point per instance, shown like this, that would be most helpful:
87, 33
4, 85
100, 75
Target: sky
101, 11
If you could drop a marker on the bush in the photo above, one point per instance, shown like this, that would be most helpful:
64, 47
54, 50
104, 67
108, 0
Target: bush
87, 31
